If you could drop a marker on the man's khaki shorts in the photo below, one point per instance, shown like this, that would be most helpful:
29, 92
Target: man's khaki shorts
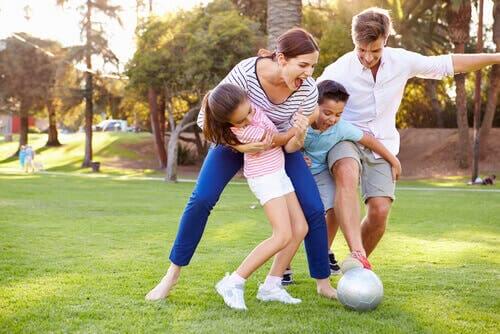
375, 174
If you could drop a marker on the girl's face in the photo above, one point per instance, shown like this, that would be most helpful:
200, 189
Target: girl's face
242, 115
295, 70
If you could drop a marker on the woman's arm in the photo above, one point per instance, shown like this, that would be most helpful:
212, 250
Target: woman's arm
256, 147
377, 147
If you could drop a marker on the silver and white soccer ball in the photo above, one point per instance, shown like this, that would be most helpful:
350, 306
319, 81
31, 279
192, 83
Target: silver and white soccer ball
360, 289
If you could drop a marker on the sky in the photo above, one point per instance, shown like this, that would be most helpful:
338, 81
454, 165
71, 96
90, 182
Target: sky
47, 20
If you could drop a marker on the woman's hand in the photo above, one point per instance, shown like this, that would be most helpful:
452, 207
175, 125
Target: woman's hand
396, 169
300, 122
256, 147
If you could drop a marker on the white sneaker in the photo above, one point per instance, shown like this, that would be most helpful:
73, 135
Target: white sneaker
233, 294
276, 293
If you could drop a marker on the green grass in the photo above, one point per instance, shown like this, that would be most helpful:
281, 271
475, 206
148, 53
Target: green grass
78, 254
107, 147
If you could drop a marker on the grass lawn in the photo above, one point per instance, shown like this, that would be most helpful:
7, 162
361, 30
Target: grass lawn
78, 255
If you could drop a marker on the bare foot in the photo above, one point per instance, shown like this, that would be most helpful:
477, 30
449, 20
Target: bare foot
166, 284
325, 289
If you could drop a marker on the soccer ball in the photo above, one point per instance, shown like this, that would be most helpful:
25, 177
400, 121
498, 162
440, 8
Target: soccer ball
360, 289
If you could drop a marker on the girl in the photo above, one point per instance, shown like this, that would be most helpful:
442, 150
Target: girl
230, 119
278, 82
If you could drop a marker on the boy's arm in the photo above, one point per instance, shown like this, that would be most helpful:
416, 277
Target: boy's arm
373, 144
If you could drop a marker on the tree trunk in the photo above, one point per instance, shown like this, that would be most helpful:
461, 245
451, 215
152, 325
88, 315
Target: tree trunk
477, 98
201, 145
281, 16
491, 104
431, 88
463, 125
172, 155
23, 117
161, 117
53, 139
155, 127
89, 112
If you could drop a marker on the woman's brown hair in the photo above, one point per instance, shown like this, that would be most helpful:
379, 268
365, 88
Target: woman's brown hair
292, 43
219, 104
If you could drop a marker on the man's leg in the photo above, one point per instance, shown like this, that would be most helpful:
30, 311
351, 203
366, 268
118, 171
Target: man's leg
378, 189
375, 221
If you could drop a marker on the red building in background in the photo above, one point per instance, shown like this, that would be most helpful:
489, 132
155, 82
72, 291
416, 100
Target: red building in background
16, 123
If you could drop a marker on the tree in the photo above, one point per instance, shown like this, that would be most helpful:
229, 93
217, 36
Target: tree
458, 17
27, 77
281, 16
494, 79
95, 44
477, 96
185, 54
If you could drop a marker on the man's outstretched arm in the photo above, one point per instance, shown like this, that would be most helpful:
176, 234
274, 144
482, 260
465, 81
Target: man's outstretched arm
473, 62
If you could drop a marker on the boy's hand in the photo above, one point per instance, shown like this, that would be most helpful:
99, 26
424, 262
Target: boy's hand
396, 169
307, 160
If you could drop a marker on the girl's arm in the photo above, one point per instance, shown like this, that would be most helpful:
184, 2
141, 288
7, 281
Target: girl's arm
377, 147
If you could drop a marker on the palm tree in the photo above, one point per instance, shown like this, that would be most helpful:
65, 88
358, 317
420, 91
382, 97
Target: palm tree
281, 16
95, 43
494, 80
458, 17
477, 96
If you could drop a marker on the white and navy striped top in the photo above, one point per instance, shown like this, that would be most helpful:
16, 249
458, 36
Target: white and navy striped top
244, 75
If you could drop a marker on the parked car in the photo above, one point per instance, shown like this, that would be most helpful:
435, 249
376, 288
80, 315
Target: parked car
114, 125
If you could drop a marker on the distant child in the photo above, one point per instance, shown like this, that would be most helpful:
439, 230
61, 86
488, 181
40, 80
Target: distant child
28, 159
230, 119
22, 156
328, 130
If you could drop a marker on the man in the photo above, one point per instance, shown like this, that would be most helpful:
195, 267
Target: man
375, 77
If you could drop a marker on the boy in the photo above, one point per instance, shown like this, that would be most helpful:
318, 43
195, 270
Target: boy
323, 134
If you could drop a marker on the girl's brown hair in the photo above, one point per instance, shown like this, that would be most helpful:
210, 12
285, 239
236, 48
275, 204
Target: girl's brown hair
292, 43
219, 104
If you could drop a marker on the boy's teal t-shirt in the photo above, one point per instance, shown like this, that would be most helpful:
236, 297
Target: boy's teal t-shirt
317, 144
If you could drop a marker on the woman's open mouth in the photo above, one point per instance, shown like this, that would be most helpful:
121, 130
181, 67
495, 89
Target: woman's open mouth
298, 82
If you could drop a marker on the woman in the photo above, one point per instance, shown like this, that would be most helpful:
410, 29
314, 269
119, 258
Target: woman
280, 83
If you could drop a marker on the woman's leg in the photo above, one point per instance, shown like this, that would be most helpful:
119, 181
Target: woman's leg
277, 213
220, 165
316, 241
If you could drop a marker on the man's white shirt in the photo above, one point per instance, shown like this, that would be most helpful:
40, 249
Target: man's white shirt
372, 105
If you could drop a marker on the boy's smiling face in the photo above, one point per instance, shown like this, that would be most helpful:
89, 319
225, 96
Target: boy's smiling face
329, 113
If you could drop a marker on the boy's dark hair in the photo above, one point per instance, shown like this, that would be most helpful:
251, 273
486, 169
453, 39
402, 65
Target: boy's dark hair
332, 90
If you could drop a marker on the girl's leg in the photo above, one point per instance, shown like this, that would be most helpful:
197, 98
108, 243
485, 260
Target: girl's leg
299, 231
277, 213
316, 241
231, 288
220, 165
